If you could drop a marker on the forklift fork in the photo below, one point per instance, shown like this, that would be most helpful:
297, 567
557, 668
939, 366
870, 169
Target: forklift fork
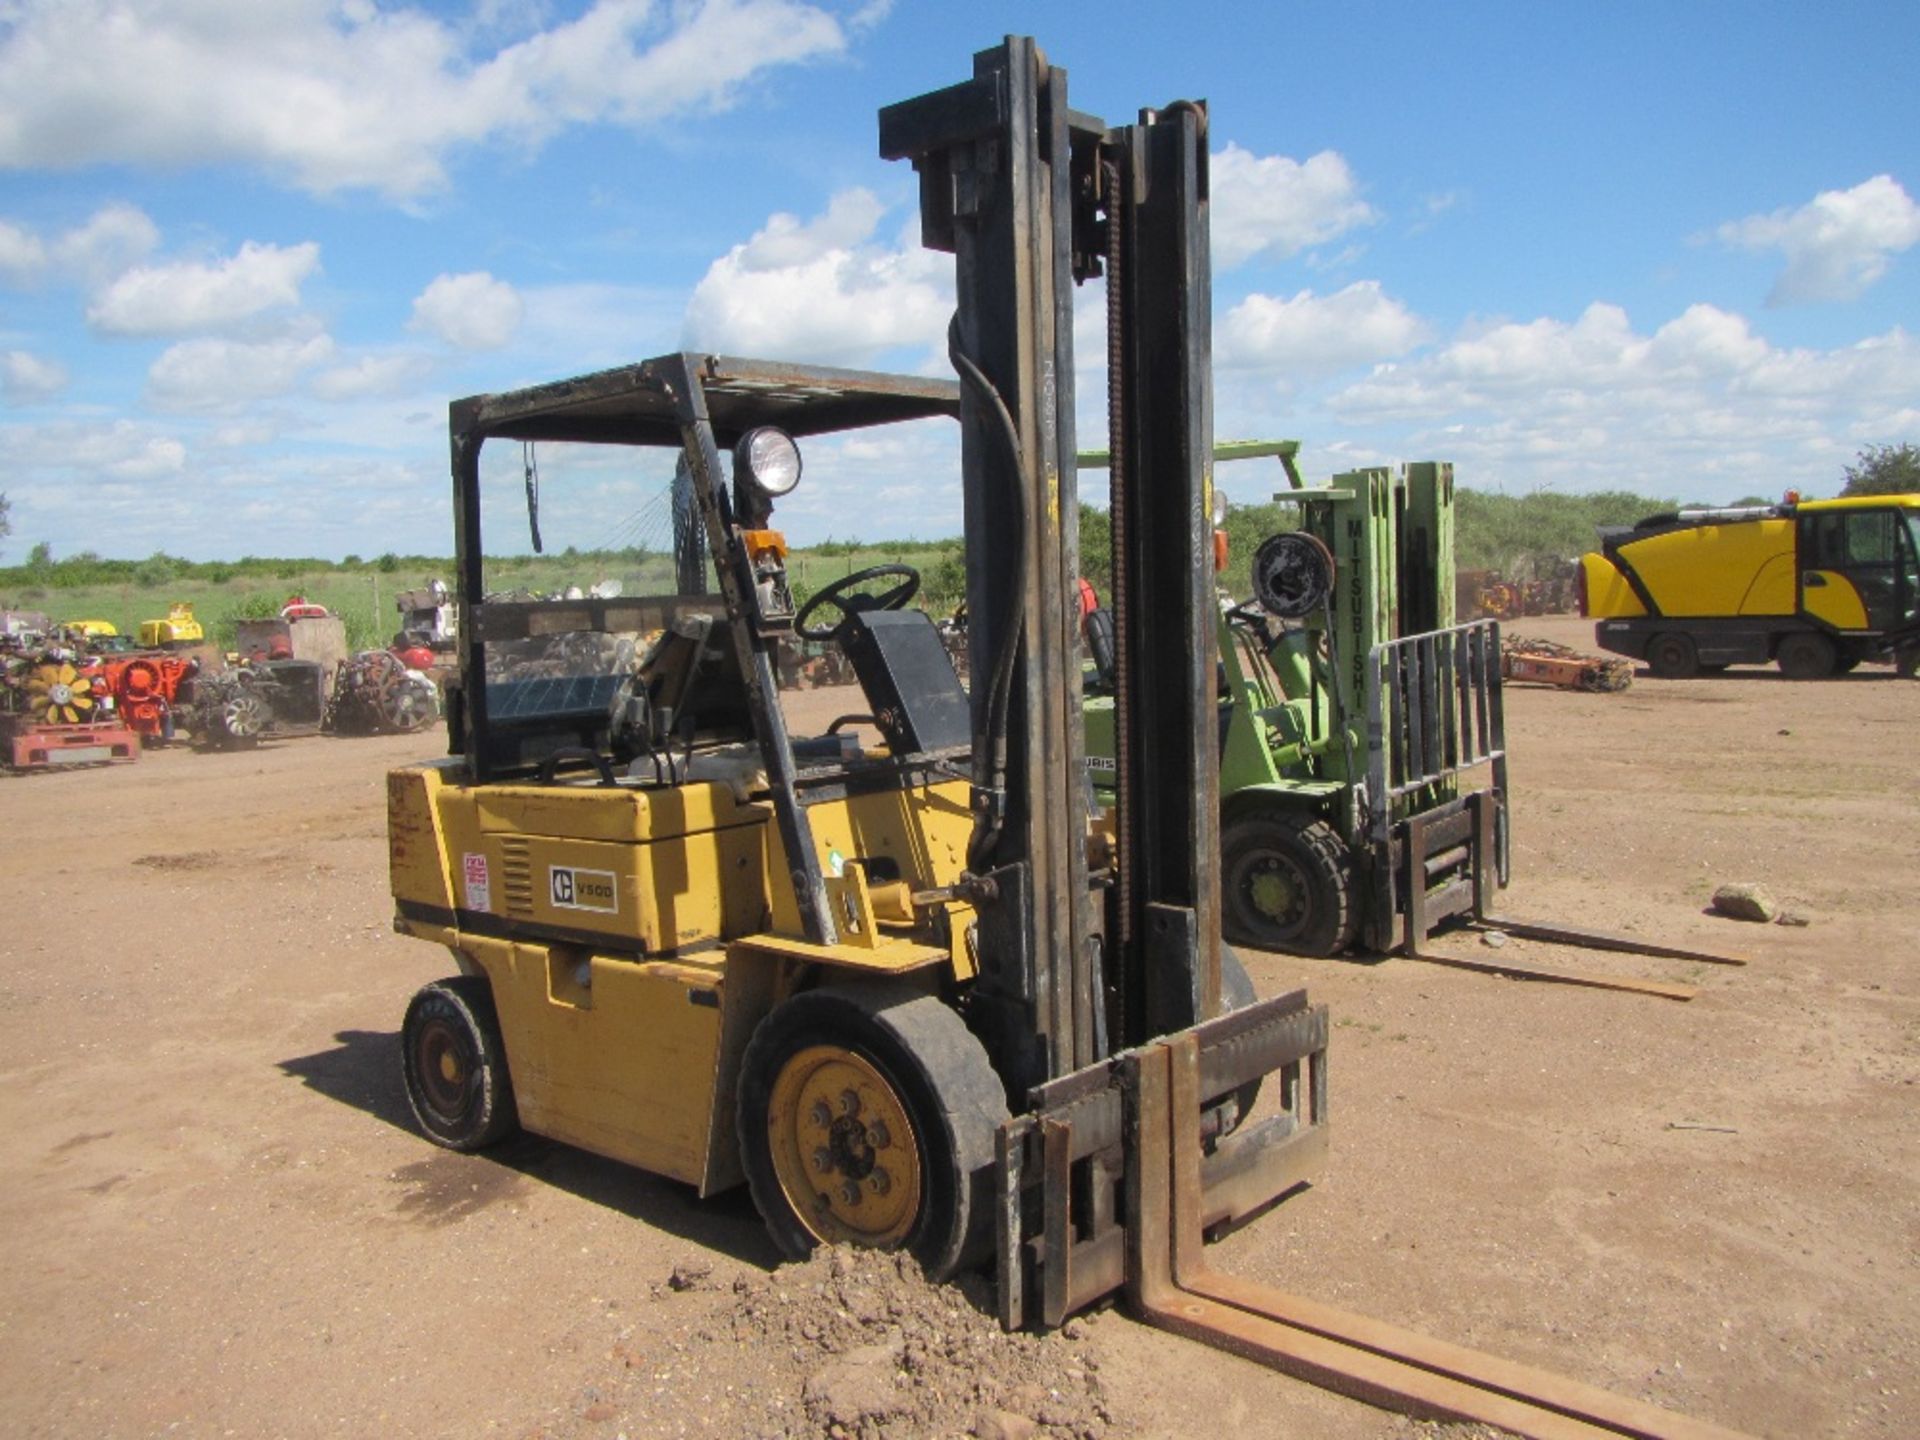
1118, 1175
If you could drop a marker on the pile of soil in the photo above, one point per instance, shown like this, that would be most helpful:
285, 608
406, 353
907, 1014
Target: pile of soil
852, 1345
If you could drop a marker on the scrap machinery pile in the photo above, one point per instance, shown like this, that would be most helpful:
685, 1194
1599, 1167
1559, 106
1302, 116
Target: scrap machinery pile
1542, 662
372, 693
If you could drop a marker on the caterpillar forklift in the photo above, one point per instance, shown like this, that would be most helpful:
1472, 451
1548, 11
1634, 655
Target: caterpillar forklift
859, 977
920, 994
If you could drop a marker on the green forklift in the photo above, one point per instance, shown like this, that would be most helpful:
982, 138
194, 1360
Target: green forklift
1362, 747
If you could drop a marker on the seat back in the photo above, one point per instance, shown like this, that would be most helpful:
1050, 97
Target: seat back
909, 680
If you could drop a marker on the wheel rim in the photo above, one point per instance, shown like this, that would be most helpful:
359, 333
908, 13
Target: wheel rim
1274, 894
844, 1149
447, 1067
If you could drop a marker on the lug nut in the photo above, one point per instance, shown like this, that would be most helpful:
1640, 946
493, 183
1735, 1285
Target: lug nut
823, 1159
850, 1192
880, 1180
820, 1114
877, 1136
850, 1102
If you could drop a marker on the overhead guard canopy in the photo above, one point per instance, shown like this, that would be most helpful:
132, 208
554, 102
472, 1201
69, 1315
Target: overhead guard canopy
634, 405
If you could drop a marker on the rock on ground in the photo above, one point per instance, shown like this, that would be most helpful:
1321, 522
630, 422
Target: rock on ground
1745, 902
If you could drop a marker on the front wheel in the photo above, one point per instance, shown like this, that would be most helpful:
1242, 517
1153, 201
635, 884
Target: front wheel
1673, 656
1807, 655
866, 1117
1286, 884
456, 1065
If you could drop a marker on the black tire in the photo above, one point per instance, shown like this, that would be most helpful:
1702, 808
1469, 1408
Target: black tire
923, 1061
1672, 655
1806, 655
1906, 662
456, 1065
1846, 664
1286, 884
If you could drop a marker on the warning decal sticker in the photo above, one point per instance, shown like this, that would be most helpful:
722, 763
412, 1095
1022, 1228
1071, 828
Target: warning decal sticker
479, 892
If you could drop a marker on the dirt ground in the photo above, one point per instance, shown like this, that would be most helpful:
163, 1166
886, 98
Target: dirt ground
218, 1219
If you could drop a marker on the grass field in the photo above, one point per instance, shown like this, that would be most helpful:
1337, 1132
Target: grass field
363, 595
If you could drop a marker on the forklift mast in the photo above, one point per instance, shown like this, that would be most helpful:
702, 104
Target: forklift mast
1031, 196
1391, 537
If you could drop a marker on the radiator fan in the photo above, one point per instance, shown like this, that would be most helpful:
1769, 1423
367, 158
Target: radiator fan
58, 694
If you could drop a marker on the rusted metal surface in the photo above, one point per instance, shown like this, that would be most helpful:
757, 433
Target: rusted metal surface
1171, 1285
1666, 990
1605, 940
1068, 1172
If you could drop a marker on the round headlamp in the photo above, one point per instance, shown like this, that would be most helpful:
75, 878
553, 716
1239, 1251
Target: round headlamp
768, 457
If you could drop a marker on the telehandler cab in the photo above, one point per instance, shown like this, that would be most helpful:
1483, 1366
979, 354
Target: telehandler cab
912, 994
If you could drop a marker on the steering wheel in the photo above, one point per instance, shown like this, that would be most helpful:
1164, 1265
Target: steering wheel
838, 594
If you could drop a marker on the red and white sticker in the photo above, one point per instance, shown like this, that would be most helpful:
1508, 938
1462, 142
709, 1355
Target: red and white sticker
479, 892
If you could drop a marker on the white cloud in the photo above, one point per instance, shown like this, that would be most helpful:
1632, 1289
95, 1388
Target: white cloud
819, 290
470, 312
188, 296
22, 257
226, 375
120, 450
115, 237
1277, 206
1313, 335
344, 94
372, 375
1701, 406
25, 378
1836, 245
112, 239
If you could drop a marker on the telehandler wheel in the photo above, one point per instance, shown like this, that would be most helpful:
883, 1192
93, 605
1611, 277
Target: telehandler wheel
1673, 656
1286, 884
456, 1065
1807, 655
866, 1116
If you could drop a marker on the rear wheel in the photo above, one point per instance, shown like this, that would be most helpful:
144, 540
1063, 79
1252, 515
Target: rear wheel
1286, 884
1673, 656
456, 1065
1806, 656
866, 1117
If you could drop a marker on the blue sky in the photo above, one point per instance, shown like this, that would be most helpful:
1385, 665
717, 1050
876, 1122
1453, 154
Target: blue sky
250, 248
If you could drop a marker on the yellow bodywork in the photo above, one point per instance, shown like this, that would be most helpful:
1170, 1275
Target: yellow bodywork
179, 628
1832, 597
1732, 569
634, 937
1738, 568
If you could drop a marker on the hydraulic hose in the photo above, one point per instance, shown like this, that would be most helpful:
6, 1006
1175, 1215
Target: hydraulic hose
990, 740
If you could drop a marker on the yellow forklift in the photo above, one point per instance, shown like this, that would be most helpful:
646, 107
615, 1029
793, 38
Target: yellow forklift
860, 976
922, 994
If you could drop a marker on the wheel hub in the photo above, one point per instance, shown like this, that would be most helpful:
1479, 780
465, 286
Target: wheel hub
1275, 890
443, 1069
844, 1149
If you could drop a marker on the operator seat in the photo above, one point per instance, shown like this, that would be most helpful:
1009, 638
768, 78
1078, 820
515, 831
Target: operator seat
903, 667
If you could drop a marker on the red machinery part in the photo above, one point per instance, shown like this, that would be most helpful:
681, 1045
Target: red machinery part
51, 747
145, 688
